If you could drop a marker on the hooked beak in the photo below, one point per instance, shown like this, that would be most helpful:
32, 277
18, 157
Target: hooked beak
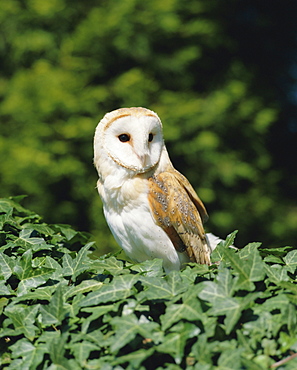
144, 159
143, 154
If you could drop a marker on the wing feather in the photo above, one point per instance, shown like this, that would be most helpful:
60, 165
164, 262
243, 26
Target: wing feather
177, 209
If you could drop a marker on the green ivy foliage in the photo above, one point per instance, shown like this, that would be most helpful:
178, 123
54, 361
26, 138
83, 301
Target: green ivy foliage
203, 66
61, 307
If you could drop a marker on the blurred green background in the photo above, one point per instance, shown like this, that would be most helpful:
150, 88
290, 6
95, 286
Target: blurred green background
220, 74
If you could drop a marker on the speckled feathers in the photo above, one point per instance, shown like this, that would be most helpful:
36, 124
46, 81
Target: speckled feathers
177, 209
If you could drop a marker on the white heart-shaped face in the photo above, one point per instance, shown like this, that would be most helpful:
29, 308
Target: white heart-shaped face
134, 141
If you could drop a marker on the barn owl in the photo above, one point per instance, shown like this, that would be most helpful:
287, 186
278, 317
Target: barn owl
151, 208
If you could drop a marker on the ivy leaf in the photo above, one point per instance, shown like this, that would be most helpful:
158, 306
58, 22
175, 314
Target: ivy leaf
249, 249
44, 229
56, 350
161, 288
57, 309
111, 266
150, 268
230, 359
26, 241
7, 219
31, 355
92, 336
277, 273
217, 254
51, 263
248, 264
23, 318
3, 303
203, 350
222, 288
99, 311
42, 294
174, 343
81, 351
265, 325
6, 265
190, 310
127, 327
240, 314
30, 277
273, 259
65, 230
289, 314
279, 302
289, 286
121, 287
291, 261
84, 287
279, 251
219, 294
134, 358
79, 264
6, 206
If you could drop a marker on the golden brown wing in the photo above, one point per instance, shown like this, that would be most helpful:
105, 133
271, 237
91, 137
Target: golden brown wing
192, 194
177, 209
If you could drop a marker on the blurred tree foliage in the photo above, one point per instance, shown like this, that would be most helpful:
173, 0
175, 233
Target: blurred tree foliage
220, 74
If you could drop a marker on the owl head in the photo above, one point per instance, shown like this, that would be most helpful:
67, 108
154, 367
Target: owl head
129, 138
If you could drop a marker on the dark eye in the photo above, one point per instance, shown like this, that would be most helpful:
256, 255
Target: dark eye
151, 136
124, 138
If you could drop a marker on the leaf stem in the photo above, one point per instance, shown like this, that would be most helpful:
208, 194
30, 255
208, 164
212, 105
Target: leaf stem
283, 361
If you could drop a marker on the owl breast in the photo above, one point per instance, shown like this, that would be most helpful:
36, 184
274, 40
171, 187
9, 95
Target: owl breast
128, 215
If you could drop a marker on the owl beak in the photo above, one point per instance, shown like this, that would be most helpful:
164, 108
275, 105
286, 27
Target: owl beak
143, 154
143, 159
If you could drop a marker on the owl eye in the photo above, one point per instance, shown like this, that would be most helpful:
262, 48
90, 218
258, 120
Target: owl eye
150, 138
124, 138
